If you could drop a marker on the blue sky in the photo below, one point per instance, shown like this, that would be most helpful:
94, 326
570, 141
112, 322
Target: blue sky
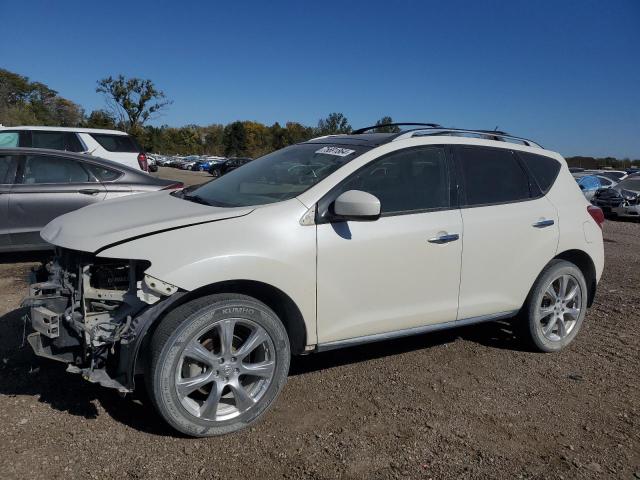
565, 73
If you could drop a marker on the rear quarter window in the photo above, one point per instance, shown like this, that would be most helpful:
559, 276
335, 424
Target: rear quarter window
103, 174
544, 169
116, 143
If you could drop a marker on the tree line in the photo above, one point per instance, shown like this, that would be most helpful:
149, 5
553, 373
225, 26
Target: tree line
130, 103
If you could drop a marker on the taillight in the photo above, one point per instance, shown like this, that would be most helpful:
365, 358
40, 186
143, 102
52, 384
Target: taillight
142, 161
597, 214
174, 186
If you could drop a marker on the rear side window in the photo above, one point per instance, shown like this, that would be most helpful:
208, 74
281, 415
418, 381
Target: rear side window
408, 180
492, 175
56, 141
103, 174
7, 169
544, 169
48, 169
9, 139
117, 143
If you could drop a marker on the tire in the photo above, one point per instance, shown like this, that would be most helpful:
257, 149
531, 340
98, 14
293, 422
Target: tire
536, 325
177, 364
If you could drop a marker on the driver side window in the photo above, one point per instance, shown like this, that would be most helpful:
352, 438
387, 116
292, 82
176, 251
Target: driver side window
409, 180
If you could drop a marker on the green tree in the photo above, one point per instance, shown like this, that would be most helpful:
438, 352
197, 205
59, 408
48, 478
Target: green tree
100, 119
335, 123
26, 102
235, 139
132, 101
384, 121
296, 133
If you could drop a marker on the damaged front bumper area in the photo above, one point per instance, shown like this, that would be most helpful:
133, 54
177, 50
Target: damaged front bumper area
92, 313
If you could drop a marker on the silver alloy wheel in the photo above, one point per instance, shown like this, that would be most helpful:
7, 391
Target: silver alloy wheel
225, 370
559, 309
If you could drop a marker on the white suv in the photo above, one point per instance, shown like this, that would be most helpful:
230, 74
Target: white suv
333, 242
113, 145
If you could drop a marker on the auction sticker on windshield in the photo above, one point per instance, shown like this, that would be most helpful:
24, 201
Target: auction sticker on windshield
340, 152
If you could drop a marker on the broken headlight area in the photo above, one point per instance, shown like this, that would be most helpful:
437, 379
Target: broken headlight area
86, 312
629, 197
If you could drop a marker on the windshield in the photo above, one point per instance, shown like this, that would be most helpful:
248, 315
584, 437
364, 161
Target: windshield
630, 184
279, 176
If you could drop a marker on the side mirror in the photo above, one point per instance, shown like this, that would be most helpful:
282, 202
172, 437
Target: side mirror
356, 205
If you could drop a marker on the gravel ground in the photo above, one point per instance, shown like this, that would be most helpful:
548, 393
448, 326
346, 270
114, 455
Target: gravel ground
185, 176
468, 403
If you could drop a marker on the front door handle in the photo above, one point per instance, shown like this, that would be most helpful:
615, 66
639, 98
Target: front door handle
89, 191
543, 223
446, 238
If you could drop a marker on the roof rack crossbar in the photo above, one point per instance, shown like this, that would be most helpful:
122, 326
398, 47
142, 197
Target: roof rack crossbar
382, 125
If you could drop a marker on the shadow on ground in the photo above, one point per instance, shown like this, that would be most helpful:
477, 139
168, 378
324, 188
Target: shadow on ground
22, 373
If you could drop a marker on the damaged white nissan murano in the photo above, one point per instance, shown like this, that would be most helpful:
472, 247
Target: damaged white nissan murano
206, 292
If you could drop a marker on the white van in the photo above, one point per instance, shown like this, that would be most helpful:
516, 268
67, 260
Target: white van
113, 145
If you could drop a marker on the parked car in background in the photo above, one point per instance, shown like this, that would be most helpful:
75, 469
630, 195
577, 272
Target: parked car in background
205, 163
188, 162
622, 200
228, 165
589, 184
334, 242
615, 175
114, 145
576, 169
37, 185
152, 162
163, 160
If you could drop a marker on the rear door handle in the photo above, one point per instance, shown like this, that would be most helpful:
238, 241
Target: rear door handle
543, 223
449, 237
89, 191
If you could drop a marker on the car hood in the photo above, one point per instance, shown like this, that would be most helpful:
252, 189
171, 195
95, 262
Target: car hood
97, 226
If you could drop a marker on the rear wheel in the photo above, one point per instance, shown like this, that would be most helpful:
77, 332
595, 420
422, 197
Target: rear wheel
556, 307
217, 363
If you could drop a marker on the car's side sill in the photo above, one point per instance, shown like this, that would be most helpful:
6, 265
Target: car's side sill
378, 337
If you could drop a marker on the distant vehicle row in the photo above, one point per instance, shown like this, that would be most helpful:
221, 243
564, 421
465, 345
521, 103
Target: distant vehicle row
216, 166
617, 193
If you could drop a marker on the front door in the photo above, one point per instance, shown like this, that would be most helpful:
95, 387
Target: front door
402, 270
7, 177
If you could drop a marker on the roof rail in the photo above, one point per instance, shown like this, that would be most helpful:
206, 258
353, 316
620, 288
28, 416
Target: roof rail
487, 134
372, 127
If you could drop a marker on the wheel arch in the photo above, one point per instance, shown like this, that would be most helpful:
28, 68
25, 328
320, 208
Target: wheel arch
585, 263
273, 297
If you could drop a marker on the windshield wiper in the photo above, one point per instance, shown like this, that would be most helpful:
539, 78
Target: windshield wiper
196, 199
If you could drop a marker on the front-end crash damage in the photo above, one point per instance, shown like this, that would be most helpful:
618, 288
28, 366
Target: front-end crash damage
93, 312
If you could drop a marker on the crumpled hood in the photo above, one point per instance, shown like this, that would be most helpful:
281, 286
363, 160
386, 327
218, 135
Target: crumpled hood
114, 221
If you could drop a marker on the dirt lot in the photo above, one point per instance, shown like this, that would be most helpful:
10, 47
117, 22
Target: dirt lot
185, 176
469, 403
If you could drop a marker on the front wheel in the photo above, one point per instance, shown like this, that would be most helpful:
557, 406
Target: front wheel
556, 307
217, 363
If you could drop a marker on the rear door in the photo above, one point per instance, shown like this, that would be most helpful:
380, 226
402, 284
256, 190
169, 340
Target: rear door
7, 176
510, 231
56, 140
48, 186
